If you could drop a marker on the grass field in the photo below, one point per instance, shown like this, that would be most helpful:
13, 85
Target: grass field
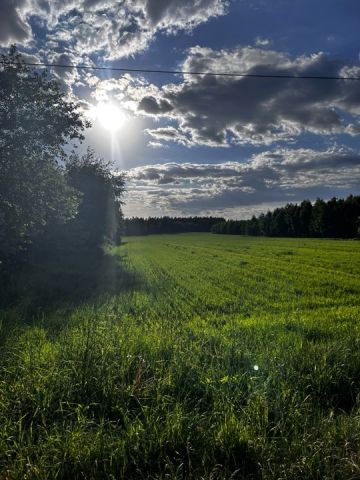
225, 358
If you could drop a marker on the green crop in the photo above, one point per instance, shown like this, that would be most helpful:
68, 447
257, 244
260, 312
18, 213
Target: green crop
226, 358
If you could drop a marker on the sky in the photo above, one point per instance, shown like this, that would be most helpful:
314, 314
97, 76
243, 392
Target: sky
205, 145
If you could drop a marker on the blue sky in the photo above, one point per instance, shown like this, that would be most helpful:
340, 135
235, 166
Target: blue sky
205, 145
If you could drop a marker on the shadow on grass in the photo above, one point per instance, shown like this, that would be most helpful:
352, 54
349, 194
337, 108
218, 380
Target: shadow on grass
68, 280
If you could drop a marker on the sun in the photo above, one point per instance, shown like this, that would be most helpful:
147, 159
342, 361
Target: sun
110, 116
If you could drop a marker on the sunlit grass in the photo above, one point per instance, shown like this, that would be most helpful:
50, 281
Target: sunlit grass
234, 358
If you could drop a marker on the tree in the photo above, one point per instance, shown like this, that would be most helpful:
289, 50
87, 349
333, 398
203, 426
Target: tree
101, 188
305, 217
338, 218
318, 219
36, 122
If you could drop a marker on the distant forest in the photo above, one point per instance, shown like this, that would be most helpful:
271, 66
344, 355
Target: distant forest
336, 218
153, 225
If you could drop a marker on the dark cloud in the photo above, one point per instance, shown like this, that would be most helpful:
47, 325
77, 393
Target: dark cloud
218, 111
13, 25
166, 179
67, 75
170, 14
153, 106
148, 174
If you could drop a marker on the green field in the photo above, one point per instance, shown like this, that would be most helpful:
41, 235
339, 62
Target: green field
224, 357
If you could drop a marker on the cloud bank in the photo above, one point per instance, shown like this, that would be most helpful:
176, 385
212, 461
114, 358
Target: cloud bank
114, 29
222, 111
238, 189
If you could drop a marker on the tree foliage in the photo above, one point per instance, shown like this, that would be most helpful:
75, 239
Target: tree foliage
337, 218
99, 217
69, 260
57, 209
154, 225
36, 122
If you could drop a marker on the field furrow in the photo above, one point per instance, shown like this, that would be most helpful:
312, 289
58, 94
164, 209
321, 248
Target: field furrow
214, 357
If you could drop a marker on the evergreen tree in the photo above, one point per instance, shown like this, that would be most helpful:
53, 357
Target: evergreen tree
337, 218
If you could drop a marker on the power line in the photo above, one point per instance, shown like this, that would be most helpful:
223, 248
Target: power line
184, 72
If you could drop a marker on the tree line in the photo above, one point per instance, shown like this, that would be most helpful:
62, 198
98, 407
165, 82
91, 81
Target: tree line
336, 218
155, 225
57, 208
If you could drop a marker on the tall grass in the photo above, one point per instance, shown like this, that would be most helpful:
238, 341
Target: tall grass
231, 359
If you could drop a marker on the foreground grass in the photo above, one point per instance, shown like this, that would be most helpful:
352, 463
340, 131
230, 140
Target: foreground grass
233, 358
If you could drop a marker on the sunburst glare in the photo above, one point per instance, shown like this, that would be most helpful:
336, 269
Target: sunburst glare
110, 116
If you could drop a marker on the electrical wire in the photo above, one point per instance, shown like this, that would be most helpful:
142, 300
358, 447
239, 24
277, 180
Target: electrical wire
184, 72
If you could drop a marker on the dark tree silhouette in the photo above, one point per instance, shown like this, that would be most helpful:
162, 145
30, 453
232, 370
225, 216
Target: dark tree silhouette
56, 209
99, 217
337, 218
36, 121
155, 225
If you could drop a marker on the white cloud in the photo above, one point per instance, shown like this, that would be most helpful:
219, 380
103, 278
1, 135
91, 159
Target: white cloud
237, 188
218, 111
114, 29
262, 42
168, 134
155, 145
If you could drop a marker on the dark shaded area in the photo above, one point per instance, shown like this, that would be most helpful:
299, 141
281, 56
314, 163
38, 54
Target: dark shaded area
53, 279
60, 213
73, 261
337, 218
154, 225
36, 122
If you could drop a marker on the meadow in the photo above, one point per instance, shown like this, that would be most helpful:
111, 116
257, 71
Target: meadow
217, 357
